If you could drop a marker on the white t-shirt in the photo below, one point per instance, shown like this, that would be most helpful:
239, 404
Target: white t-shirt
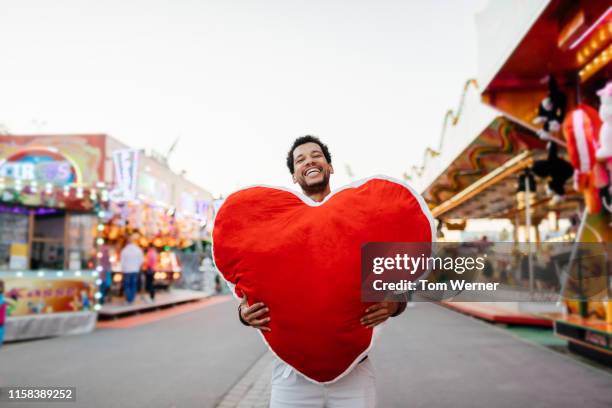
131, 258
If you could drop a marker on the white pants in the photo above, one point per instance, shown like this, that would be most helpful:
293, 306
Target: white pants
355, 390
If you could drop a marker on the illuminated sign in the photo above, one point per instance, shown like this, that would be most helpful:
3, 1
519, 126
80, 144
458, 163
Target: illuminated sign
40, 165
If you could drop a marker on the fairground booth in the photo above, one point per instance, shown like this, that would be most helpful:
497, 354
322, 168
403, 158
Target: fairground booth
168, 212
530, 158
555, 74
52, 197
473, 177
66, 202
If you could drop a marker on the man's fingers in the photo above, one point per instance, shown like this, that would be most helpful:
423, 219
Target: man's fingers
259, 313
377, 322
374, 307
259, 322
253, 308
378, 306
378, 313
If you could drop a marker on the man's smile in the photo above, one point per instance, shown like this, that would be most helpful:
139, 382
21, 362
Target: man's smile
312, 172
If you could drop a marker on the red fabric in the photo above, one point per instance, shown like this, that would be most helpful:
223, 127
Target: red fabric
303, 262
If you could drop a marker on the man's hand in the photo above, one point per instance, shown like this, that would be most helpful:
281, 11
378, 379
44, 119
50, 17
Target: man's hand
378, 313
255, 315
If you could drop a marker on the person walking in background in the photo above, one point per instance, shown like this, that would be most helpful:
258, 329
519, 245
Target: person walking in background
2, 312
106, 273
132, 258
150, 265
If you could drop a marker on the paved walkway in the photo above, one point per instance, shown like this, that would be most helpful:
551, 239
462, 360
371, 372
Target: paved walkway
428, 357
188, 360
253, 390
434, 357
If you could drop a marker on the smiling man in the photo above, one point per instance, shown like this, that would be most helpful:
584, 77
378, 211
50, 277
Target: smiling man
309, 162
310, 165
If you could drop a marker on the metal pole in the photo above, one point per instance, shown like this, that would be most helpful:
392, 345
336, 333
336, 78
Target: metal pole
517, 244
528, 233
573, 254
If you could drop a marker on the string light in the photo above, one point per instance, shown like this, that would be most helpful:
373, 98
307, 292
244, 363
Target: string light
99, 240
600, 60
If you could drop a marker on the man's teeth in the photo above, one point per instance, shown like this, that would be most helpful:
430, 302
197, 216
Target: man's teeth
312, 171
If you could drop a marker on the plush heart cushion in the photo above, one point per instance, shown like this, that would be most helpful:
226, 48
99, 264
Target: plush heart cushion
302, 259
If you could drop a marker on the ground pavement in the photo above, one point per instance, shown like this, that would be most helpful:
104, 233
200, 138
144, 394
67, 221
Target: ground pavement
201, 356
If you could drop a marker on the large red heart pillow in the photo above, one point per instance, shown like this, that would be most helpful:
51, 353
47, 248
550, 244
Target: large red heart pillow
302, 259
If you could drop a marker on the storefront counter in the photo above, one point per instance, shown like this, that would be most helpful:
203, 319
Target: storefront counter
47, 303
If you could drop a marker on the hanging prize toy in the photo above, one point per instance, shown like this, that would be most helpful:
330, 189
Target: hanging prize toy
604, 152
551, 110
580, 128
555, 169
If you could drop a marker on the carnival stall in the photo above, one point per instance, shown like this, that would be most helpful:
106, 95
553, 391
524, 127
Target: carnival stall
67, 203
159, 228
52, 197
534, 158
552, 75
167, 211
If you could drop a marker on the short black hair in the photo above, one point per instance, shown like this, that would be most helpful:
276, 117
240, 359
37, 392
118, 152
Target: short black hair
303, 140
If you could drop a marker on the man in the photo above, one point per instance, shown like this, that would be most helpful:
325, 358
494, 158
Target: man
131, 262
106, 274
309, 163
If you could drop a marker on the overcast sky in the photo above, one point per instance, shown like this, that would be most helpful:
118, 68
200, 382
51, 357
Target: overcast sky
238, 80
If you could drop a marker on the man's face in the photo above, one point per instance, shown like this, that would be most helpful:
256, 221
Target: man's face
311, 169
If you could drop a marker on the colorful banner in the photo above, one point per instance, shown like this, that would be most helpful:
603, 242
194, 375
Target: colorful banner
32, 294
126, 174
